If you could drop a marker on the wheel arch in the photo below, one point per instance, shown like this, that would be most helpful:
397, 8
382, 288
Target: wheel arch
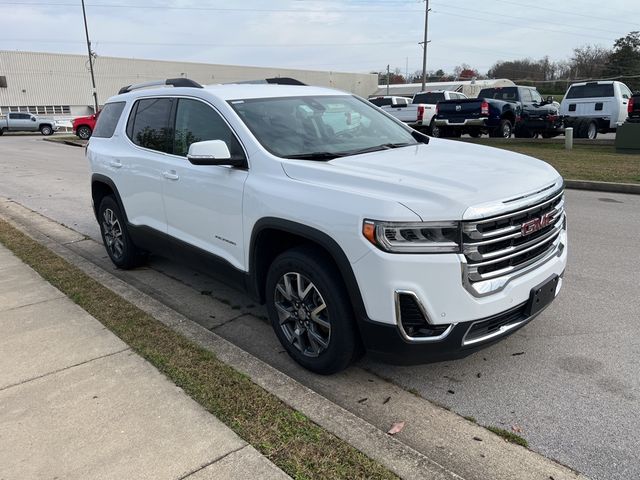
101, 186
272, 236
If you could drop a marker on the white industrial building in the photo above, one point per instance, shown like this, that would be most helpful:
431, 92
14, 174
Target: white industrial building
59, 85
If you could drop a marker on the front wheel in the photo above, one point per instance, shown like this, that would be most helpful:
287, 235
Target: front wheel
116, 239
310, 311
84, 132
46, 130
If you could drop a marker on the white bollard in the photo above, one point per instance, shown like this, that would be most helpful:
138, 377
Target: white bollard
568, 138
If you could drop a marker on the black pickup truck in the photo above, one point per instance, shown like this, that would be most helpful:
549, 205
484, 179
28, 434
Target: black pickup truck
500, 112
634, 108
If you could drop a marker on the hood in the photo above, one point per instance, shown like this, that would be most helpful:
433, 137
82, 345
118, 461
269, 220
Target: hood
438, 181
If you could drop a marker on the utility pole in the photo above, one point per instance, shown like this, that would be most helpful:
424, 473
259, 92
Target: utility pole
93, 78
424, 44
387, 80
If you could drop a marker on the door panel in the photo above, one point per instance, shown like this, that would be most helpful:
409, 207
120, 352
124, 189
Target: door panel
204, 203
141, 178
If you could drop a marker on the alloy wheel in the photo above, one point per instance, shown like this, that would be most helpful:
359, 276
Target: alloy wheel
303, 314
113, 235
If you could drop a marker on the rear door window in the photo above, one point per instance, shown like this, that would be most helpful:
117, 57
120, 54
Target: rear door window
380, 102
108, 120
149, 125
591, 90
430, 98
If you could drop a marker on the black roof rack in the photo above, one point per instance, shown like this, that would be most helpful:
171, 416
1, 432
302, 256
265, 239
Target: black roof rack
274, 81
174, 82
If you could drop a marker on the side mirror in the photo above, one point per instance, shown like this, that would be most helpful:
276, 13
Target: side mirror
33, 119
212, 152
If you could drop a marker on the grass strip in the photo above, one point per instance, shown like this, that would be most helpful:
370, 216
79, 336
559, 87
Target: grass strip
584, 162
288, 438
509, 436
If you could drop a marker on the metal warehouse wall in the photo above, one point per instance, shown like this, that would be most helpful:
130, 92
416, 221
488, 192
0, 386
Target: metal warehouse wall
35, 78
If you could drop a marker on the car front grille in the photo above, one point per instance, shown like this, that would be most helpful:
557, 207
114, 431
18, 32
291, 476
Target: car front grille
505, 244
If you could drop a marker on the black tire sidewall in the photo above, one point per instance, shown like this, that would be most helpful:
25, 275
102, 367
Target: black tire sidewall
129, 257
344, 344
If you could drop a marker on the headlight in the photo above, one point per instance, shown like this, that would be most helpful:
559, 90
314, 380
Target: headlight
414, 237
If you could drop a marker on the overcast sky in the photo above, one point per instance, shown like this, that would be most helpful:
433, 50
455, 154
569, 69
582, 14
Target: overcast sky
339, 35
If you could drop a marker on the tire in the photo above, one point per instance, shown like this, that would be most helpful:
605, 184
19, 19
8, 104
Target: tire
580, 128
434, 130
524, 132
474, 133
46, 130
504, 130
592, 130
113, 228
328, 344
83, 132
1, 131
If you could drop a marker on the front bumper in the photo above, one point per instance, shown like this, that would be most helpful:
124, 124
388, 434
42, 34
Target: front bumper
383, 342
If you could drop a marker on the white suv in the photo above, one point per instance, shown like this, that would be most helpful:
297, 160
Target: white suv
358, 232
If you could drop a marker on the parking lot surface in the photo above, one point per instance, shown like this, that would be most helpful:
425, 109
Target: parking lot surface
568, 382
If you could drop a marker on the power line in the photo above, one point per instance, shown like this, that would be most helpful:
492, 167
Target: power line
217, 45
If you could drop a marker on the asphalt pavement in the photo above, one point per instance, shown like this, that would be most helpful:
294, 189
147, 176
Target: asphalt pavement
568, 382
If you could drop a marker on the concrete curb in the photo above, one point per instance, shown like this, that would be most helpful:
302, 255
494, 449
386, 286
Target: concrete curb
402, 459
629, 188
73, 143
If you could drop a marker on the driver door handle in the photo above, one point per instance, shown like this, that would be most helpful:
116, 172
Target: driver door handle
171, 175
115, 163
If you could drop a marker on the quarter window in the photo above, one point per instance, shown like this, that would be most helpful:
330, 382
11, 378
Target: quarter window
108, 119
197, 122
149, 124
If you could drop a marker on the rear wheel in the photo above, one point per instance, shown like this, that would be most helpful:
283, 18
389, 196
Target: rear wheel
435, 130
474, 133
592, 130
116, 239
46, 130
504, 130
310, 311
83, 132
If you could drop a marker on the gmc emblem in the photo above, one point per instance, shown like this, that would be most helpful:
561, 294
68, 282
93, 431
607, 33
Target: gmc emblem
536, 224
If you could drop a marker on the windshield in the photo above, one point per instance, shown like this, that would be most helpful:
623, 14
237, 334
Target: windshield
509, 94
320, 127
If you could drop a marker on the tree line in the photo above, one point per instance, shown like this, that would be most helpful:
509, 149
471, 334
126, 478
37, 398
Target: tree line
588, 62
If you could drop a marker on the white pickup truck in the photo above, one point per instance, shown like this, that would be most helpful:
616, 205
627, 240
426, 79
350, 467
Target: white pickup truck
26, 122
420, 111
592, 107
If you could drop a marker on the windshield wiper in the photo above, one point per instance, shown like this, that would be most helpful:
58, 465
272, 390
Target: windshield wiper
377, 148
315, 156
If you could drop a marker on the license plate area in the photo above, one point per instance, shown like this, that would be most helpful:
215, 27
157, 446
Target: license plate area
542, 295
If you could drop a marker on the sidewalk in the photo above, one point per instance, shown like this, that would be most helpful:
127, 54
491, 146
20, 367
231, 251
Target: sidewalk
76, 403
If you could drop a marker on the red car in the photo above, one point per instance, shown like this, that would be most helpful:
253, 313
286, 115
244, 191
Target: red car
83, 126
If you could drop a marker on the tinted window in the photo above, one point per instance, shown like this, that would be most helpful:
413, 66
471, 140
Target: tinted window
591, 90
510, 94
149, 124
196, 122
108, 120
380, 102
430, 98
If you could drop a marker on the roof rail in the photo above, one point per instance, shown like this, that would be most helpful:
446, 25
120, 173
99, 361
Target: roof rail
174, 82
275, 81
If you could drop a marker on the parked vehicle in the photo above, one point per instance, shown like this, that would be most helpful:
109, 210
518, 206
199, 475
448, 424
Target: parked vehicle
633, 109
26, 122
470, 88
389, 101
420, 112
83, 126
592, 107
358, 232
500, 112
